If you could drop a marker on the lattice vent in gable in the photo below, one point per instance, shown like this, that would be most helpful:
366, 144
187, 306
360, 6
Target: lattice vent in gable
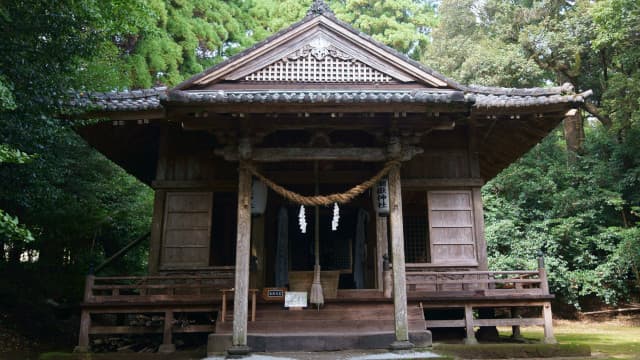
319, 61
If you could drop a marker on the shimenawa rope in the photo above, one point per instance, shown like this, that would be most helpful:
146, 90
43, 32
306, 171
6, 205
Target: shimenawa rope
321, 200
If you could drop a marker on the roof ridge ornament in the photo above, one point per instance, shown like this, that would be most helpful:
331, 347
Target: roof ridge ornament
319, 7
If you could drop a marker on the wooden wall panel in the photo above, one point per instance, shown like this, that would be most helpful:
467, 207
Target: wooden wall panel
438, 164
189, 220
451, 228
186, 237
450, 218
185, 156
454, 253
187, 230
451, 235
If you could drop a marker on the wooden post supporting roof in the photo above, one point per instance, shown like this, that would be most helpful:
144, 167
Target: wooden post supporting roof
241, 296
397, 253
382, 249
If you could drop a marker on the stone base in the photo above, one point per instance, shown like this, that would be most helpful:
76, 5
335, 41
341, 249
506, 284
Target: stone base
219, 343
470, 341
238, 351
81, 349
167, 348
401, 345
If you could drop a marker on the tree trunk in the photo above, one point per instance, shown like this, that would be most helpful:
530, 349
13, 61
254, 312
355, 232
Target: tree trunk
593, 110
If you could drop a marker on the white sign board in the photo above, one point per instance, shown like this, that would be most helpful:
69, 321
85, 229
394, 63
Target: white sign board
294, 299
381, 197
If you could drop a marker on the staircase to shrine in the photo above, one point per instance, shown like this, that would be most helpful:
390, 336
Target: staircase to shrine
336, 326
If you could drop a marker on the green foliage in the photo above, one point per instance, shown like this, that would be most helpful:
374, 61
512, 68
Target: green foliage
405, 25
465, 47
77, 206
616, 28
581, 214
15, 156
577, 214
6, 97
12, 230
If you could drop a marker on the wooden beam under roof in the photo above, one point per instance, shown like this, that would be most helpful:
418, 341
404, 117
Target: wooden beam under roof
369, 154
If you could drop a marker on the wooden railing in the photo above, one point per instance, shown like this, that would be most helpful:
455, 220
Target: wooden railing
157, 288
533, 282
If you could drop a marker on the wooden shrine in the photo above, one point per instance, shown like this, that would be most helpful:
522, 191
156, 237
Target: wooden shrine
318, 114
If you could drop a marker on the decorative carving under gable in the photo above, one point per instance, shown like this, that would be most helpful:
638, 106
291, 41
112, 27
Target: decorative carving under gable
319, 61
319, 49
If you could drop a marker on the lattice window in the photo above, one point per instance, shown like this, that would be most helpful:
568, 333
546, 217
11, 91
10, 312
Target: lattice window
328, 70
319, 61
416, 239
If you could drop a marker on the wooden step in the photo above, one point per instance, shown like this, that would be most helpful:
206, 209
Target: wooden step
316, 342
329, 314
337, 325
320, 326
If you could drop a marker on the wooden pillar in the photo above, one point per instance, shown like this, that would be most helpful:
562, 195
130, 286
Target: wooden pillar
167, 342
542, 274
85, 317
382, 248
478, 221
549, 338
478, 213
515, 329
83, 337
468, 324
240, 299
155, 240
257, 277
398, 263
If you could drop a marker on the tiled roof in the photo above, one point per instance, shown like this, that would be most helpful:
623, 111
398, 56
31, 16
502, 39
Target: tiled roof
478, 97
319, 96
136, 100
499, 97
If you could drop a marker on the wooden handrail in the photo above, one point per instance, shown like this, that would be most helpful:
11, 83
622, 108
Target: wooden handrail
116, 288
513, 280
121, 252
483, 281
514, 272
156, 277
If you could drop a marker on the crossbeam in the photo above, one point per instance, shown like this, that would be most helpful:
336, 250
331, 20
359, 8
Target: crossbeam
364, 154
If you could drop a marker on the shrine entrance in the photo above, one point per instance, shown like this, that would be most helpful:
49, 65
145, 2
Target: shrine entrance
348, 251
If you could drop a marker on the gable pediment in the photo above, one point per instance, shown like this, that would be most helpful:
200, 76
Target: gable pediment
321, 61
318, 50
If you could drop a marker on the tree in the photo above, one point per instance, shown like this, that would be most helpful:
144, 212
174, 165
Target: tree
404, 25
465, 47
582, 214
65, 193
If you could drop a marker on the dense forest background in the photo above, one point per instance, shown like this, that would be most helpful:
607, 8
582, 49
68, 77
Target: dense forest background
65, 207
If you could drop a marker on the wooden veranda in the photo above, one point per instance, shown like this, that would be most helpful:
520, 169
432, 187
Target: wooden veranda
175, 297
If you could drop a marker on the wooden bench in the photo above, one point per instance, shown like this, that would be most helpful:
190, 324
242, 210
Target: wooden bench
252, 293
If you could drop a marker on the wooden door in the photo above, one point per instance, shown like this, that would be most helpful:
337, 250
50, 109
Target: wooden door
451, 228
187, 230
